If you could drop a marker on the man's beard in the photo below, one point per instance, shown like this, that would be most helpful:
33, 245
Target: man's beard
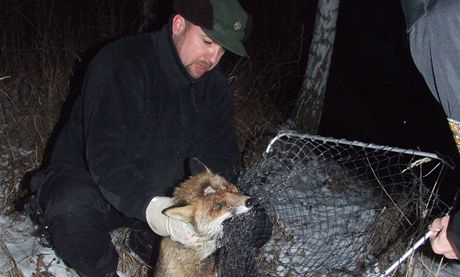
201, 66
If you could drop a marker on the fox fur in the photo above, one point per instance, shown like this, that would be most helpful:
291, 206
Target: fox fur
204, 201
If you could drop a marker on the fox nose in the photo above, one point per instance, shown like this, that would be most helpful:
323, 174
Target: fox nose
248, 203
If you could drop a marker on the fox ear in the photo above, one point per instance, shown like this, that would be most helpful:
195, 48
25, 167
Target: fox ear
182, 213
196, 166
209, 190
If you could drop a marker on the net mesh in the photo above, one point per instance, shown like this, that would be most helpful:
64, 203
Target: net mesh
338, 208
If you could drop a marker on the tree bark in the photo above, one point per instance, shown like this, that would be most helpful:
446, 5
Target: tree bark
147, 8
307, 115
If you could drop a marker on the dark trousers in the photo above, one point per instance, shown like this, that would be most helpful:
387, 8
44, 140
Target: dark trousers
79, 221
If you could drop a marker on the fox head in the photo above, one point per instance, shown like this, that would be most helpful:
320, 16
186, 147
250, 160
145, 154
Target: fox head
206, 200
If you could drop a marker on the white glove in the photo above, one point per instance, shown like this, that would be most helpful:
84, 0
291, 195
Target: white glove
177, 230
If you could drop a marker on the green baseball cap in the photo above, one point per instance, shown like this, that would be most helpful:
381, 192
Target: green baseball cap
224, 21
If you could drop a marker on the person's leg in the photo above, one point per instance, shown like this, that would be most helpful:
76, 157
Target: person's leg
79, 221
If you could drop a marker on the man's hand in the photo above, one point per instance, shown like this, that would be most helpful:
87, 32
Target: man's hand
439, 240
177, 230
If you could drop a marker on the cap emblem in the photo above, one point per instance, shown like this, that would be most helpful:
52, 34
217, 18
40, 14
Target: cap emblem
237, 26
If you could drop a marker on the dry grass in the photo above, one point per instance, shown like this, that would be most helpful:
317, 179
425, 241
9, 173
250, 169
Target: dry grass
42, 44
257, 120
128, 263
12, 269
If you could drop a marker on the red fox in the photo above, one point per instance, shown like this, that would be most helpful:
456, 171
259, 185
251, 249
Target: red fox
205, 200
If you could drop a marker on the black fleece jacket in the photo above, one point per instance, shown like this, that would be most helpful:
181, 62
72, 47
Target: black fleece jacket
140, 116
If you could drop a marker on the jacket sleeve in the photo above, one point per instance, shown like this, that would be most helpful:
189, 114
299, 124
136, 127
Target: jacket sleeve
113, 109
215, 142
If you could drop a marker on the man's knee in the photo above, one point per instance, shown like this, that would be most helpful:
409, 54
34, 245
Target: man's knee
71, 192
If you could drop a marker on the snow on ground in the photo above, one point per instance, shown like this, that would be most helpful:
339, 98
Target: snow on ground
21, 254
21, 251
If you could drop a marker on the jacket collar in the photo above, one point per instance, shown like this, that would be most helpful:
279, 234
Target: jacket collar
169, 59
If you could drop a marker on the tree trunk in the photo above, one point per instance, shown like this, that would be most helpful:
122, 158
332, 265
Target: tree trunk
147, 7
307, 114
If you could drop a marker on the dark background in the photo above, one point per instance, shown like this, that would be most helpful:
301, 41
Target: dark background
375, 93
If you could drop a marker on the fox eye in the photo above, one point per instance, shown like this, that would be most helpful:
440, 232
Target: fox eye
218, 206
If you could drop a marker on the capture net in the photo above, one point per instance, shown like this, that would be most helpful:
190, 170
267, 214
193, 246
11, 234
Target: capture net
338, 208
